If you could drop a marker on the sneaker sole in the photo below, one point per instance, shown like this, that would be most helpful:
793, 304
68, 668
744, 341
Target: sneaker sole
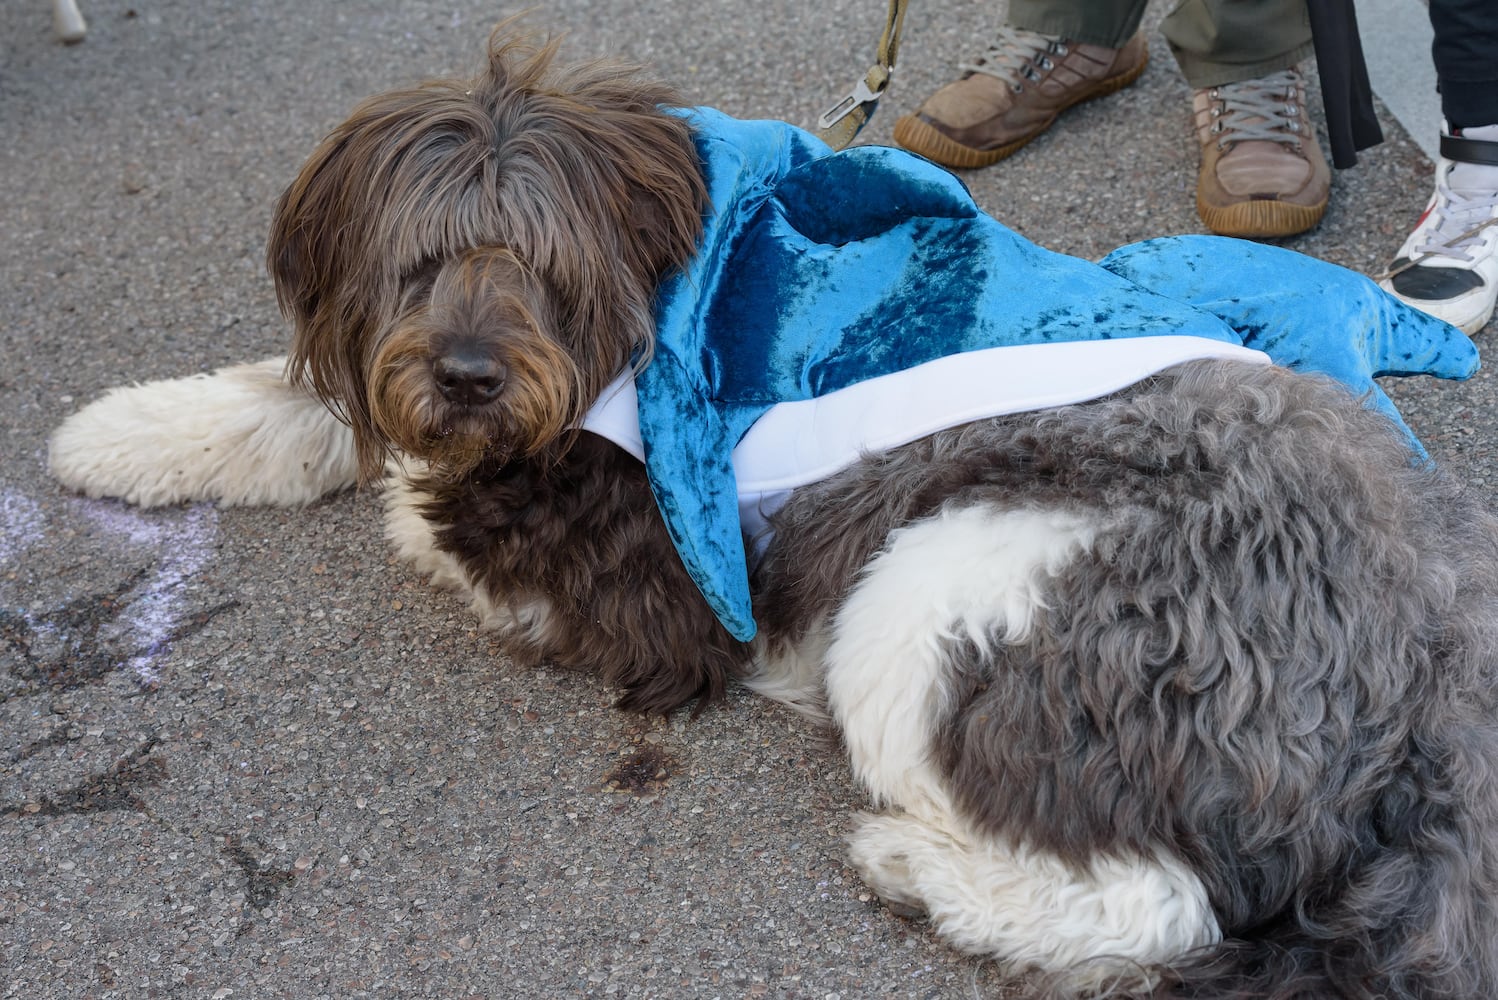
1468, 314
919, 136
1258, 219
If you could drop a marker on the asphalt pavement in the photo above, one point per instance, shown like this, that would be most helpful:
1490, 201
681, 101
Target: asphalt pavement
242, 752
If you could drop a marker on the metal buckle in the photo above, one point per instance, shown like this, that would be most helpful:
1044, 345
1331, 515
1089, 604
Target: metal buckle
860, 94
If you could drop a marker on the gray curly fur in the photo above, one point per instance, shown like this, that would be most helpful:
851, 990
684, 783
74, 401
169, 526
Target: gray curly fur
1279, 662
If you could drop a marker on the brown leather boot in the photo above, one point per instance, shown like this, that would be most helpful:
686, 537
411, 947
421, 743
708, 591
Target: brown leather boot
1013, 93
1262, 173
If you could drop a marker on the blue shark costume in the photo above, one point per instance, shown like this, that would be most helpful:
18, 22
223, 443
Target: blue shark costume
821, 275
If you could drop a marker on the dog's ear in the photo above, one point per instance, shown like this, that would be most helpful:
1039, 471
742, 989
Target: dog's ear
313, 257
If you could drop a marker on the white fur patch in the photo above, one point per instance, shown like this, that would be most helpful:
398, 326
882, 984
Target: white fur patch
241, 436
1030, 909
792, 673
961, 574
973, 574
411, 535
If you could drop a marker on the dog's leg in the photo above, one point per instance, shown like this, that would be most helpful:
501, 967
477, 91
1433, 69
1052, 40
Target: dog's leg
964, 579
241, 436
415, 542
411, 535
1113, 919
965, 574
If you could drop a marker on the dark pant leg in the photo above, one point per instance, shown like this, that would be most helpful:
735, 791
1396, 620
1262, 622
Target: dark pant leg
1466, 57
1108, 23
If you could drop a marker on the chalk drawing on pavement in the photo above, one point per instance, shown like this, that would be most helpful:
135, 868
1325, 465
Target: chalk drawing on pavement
125, 624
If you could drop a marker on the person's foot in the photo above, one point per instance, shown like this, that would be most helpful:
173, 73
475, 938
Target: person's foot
1262, 172
1449, 265
1012, 93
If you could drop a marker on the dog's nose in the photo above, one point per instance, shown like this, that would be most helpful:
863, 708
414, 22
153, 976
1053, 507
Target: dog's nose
469, 377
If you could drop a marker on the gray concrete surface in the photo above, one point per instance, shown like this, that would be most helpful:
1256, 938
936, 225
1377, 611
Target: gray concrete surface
244, 755
1396, 38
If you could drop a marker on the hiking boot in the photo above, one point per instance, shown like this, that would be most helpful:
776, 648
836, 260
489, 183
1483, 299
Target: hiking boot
1449, 265
1262, 173
1012, 93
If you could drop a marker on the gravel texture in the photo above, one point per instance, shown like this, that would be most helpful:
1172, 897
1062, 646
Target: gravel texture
244, 754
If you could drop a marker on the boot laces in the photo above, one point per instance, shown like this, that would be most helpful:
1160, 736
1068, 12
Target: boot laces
1460, 218
1266, 108
1017, 55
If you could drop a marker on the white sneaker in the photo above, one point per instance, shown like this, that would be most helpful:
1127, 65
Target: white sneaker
1449, 265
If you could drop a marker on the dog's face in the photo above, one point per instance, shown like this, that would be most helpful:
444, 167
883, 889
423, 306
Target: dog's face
477, 367
468, 264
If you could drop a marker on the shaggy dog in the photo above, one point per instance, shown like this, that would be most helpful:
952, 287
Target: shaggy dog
1188, 691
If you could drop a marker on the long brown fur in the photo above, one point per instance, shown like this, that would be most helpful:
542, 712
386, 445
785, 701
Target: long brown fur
514, 227
576, 175
578, 529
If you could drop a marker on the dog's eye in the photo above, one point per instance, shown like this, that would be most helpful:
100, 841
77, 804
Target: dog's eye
423, 272
417, 281
416, 284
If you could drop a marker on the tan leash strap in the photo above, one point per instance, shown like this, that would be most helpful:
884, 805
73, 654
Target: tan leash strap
840, 123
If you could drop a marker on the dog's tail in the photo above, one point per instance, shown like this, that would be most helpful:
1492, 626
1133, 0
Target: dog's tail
240, 436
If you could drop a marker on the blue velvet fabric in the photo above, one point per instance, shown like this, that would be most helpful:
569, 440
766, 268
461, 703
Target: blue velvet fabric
1302, 312
821, 269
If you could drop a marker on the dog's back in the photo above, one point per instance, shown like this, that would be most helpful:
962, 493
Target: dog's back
1257, 658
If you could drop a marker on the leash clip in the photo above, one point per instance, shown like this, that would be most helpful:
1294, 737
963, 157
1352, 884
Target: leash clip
860, 95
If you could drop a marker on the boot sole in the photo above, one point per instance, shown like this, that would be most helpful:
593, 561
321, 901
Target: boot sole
1259, 219
919, 136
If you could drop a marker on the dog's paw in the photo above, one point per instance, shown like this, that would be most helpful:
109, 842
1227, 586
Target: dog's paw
1030, 909
878, 849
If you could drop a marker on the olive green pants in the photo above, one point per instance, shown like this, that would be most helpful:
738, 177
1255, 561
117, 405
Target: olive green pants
1214, 41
